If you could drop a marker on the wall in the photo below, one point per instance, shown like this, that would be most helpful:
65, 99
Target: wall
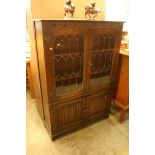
120, 11
54, 9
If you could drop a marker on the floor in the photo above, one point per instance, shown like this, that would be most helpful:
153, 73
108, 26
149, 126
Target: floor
106, 137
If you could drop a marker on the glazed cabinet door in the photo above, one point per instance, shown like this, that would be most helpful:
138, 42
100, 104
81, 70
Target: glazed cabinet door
65, 58
103, 59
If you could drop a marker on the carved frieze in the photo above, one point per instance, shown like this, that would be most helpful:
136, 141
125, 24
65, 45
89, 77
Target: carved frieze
81, 24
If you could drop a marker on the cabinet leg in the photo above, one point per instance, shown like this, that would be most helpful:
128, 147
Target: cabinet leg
122, 115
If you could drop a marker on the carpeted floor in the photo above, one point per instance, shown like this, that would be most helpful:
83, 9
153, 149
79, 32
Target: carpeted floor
106, 137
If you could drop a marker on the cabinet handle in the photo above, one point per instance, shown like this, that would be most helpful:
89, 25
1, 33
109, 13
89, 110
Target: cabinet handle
85, 110
84, 105
51, 93
90, 64
51, 48
58, 44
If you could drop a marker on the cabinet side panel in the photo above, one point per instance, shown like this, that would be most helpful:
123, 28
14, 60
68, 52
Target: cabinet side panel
42, 69
34, 64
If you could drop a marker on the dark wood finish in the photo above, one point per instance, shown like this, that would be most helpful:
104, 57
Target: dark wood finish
97, 105
77, 71
66, 116
122, 93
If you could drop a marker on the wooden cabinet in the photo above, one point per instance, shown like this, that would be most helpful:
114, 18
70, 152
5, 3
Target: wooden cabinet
77, 63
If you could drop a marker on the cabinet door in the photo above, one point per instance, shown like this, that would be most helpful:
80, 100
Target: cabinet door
103, 59
66, 116
97, 106
66, 48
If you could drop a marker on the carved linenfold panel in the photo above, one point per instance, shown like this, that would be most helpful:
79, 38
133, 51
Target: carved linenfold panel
98, 104
68, 114
83, 24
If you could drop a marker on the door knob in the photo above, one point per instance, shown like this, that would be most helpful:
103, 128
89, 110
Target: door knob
51, 93
58, 44
51, 48
85, 110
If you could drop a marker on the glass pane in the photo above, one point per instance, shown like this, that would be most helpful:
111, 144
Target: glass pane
68, 57
102, 54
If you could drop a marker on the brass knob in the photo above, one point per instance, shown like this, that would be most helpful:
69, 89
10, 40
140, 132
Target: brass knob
51, 93
51, 48
85, 110
90, 64
58, 44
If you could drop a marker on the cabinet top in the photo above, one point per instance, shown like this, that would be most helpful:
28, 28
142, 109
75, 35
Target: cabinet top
77, 20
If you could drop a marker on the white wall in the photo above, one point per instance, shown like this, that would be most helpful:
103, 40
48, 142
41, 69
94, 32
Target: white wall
117, 10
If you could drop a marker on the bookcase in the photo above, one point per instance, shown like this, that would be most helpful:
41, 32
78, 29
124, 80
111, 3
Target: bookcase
77, 62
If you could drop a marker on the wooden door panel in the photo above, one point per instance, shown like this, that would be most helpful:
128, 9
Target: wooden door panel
66, 114
98, 105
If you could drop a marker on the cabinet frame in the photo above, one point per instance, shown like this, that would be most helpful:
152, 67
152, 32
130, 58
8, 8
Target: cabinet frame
53, 103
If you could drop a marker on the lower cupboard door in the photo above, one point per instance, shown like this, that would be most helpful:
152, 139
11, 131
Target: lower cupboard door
66, 116
98, 106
